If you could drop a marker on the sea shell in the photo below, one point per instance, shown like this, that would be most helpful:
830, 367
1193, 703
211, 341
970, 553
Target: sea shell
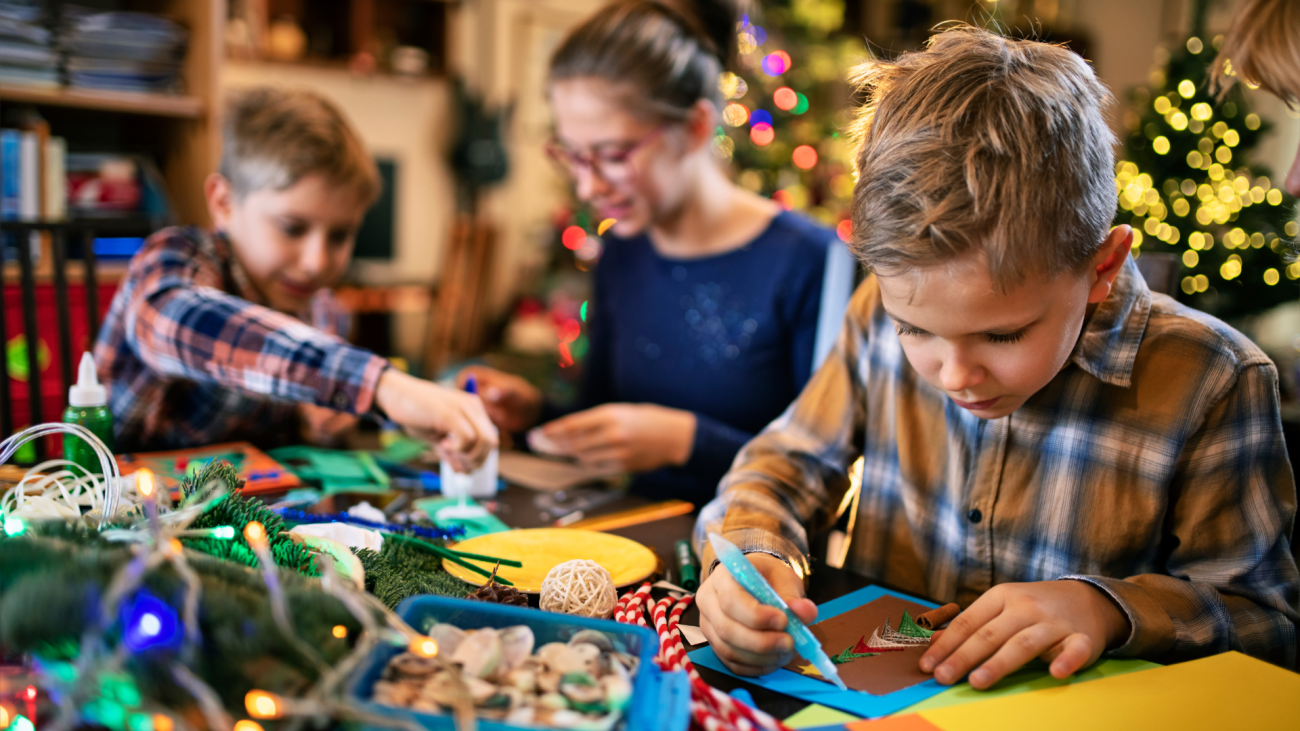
480, 653
448, 637
516, 646
593, 637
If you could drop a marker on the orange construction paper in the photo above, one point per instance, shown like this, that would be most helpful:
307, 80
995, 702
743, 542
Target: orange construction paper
910, 722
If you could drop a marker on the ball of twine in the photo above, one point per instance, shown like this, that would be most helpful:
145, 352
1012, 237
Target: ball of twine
579, 587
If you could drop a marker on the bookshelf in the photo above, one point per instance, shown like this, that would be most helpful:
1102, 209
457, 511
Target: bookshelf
181, 133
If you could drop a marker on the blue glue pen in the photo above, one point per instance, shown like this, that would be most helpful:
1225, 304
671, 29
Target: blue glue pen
747, 576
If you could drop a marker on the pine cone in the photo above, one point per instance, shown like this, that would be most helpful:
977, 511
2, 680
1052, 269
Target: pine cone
498, 593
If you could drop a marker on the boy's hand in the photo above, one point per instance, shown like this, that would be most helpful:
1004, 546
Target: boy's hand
748, 636
454, 421
1066, 623
325, 427
513, 403
628, 437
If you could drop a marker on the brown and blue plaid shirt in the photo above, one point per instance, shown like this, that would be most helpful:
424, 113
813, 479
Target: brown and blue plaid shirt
1153, 466
190, 359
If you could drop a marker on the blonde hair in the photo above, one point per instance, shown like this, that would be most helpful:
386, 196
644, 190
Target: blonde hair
982, 143
1263, 47
273, 138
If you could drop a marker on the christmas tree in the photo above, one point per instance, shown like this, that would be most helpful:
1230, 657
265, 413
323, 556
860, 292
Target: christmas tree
1187, 186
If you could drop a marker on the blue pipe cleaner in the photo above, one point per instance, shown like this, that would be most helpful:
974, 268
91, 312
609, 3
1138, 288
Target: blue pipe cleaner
298, 516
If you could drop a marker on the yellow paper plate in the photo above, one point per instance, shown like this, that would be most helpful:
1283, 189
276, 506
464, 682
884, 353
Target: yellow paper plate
542, 549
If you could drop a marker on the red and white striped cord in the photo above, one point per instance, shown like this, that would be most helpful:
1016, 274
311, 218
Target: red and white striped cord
711, 709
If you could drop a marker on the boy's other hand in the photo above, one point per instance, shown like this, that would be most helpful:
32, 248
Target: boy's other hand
625, 437
748, 636
1067, 623
513, 403
454, 421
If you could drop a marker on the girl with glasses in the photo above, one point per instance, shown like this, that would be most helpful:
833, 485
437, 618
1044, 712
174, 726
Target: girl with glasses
706, 298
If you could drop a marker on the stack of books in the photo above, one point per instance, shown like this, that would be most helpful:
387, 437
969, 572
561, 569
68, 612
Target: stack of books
27, 50
33, 174
123, 51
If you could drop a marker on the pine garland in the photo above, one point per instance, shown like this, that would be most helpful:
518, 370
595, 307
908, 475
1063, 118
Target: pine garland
398, 571
238, 511
53, 577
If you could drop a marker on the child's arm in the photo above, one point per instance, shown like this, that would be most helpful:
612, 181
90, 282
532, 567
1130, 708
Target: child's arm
181, 325
1230, 581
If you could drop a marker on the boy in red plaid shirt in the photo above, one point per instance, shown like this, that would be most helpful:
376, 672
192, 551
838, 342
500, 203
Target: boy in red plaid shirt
233, 334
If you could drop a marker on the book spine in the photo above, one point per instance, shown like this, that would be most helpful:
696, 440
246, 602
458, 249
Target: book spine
29, 177
10, 142
56, 179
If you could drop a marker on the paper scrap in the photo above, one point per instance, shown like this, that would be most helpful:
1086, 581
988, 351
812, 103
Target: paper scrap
692, 634
1034, 676
540, 473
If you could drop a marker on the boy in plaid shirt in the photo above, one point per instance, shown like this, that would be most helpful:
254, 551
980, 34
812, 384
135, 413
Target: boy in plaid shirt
233, 334
1084, 466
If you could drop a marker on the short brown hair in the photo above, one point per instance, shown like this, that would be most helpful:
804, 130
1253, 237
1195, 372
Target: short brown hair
667, 55
1263, 47
273, 138
982, 143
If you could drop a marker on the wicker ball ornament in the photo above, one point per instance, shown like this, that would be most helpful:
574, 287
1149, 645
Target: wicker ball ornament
579, 587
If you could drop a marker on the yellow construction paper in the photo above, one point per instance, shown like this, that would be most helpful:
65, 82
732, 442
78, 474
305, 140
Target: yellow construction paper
542, 549
818, 715
1228, 691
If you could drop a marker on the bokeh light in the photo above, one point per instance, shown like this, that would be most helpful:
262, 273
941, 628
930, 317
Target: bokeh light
760, 116
573, 238
424, 646
785, 98
762, 134
783, 198
261, 704
801, 106
804, 157
735, 114
1186, 89
340, 632
845, 230
776, 63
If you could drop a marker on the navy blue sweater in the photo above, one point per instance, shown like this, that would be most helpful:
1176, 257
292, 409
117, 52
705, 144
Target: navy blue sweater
728, 337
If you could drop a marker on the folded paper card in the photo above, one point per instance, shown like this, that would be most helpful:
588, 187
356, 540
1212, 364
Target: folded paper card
852, 701
875, 669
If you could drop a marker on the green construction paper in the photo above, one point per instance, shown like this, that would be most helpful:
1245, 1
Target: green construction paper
402, 449
818, 715
474, 527
337, 487
1032, 677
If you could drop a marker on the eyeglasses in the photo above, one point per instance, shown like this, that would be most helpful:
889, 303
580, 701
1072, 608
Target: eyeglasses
614, 163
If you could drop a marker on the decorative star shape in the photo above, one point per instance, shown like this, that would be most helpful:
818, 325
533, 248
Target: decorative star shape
809, 669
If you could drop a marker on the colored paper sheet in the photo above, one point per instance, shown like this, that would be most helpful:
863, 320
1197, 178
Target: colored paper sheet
876, 673
817, 691
818, 715
260, 471
474, 527
1032, 677
905, 722
743, 696
1228, 691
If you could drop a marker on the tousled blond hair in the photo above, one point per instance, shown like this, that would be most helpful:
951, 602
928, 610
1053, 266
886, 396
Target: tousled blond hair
272, 138
1263, 47
982, 143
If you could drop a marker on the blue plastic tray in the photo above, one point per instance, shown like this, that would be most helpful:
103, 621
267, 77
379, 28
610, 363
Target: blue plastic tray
660, 701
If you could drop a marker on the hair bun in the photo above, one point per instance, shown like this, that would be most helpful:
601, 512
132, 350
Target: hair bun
713, 23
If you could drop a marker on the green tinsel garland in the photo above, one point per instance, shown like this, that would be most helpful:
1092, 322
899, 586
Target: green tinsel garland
398, 571
238, 511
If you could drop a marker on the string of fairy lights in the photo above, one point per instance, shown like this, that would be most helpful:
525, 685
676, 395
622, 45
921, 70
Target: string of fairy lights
1211, 196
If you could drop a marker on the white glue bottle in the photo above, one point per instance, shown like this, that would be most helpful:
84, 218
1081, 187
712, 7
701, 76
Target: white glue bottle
482, 482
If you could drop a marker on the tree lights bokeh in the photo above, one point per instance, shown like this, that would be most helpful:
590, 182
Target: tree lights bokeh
1186, 187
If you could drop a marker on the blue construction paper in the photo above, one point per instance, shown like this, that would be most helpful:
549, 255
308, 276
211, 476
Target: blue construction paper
743, 696
816, 691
